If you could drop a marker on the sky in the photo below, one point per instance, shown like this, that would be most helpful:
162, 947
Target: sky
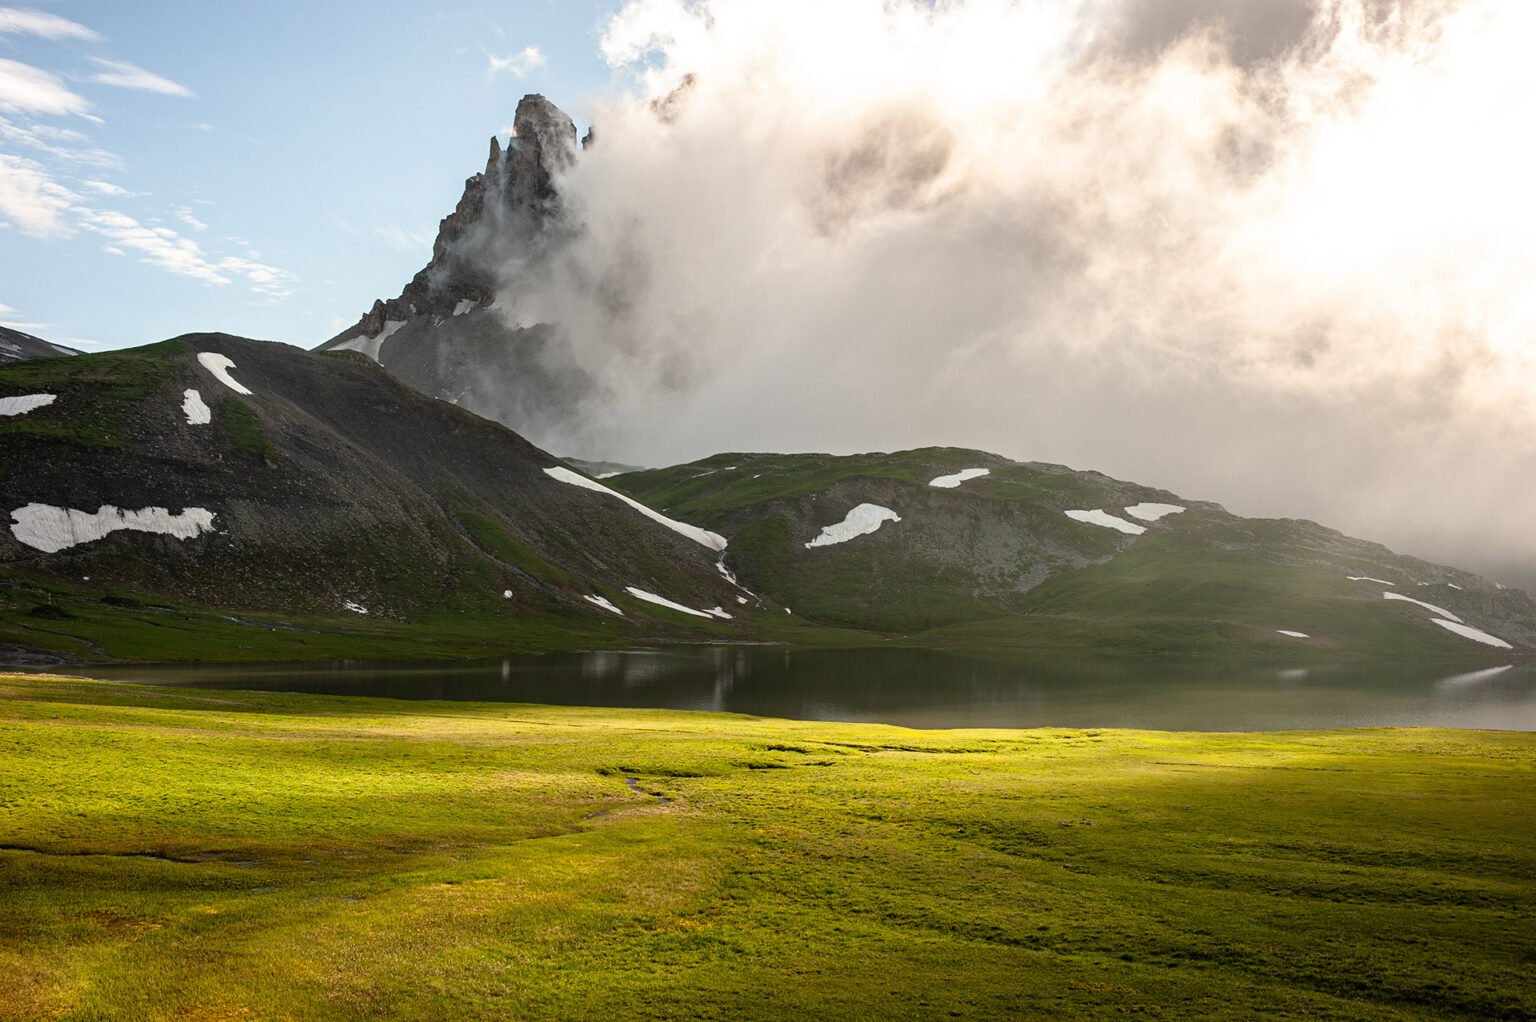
263, 169
1273, 253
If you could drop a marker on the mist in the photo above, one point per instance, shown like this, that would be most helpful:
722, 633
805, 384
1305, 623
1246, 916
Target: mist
1274, 254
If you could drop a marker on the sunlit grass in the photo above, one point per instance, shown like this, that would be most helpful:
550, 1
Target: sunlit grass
320, 858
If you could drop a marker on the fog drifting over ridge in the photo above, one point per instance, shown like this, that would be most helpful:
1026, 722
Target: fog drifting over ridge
1274, 254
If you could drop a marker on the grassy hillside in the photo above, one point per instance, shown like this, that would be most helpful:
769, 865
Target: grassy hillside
996, 560
351, 517
175, 854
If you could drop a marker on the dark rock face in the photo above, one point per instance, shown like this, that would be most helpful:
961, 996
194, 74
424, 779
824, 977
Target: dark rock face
439, 336
16, 346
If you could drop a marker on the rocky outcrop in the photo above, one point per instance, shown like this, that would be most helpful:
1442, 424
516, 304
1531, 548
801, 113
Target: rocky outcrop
508, 211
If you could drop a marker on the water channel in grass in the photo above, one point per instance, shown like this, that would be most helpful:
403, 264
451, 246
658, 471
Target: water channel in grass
923, 688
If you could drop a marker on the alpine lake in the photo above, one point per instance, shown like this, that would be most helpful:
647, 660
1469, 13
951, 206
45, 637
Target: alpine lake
922, 688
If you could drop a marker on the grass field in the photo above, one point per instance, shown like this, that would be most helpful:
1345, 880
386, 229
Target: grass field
180, 854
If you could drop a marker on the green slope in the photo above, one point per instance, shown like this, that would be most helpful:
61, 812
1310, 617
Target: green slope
996, 561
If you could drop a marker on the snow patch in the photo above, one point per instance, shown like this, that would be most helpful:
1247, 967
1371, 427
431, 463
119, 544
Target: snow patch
465, 305
701, 536
370, 345
603, 602
51, 529
1148, 512
219, 366
952, 481
1367, 578
25, 403
1475, 634
1107, 521
1427, 606
195, 409
1294, 635
662, 601
607, 475
506, 594
861, 521
718, 612
741, 600
1454, 586
356, 608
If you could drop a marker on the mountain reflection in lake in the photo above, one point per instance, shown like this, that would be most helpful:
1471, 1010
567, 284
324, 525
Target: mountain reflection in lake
922, 688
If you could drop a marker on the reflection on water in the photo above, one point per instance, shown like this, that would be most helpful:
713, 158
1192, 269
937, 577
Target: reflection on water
923, 688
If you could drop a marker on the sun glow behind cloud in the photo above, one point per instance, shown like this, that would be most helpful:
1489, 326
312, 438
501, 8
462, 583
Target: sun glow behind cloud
1301, 284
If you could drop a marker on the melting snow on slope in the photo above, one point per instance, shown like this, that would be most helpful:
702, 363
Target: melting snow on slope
370, 345
1367, 578
219, 366
465, 305
1427, 606
605, 603
356, 608
196, 411
1108, 521
662, 601
1294, 635
950, 482
701, 536
1152, 512
861, 521
51, 529
1475, 634
25, 403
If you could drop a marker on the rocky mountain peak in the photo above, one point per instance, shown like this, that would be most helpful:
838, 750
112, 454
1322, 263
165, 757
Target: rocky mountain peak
506, 213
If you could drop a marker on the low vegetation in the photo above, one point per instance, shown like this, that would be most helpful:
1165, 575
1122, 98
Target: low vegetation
180, 854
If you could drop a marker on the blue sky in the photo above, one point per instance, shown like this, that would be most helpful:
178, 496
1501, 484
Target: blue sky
263, 169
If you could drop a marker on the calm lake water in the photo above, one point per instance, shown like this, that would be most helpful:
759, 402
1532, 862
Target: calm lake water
923, 688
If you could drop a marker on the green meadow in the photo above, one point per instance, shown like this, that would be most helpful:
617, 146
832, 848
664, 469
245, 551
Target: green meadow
182, 854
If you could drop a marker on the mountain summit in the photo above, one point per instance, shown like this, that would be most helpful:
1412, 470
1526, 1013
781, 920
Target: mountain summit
446, 334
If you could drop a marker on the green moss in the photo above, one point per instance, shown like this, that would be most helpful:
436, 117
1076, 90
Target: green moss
241, 429
96, 394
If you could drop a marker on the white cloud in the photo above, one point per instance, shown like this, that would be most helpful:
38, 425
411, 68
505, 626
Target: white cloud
30, 197
519, 64
26, 89
184, 214
164, 248
131, 76
108, 188
61, 143
15, 21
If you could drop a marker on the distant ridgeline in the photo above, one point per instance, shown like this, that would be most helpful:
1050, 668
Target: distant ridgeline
215, 497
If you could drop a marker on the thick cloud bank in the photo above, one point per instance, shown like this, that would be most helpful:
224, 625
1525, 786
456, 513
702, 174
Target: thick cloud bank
1271, 253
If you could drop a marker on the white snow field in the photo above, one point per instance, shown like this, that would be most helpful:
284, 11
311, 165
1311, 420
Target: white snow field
219, 366
1475, 634
701, 536
1367, 578
356, 608
861, 521
25, 403
718, 612
195, 409
465, 305
605, 603
51, 529
1427, 606
1107, 521
950, 482
662, 601
1149, 512
1294, 635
